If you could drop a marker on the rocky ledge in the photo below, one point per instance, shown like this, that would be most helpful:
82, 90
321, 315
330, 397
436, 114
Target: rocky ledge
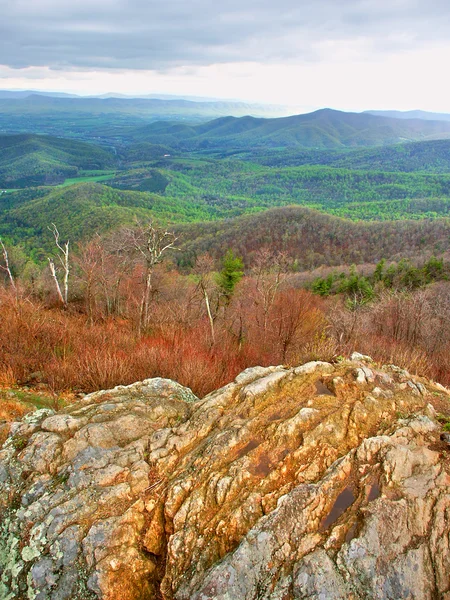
320, 482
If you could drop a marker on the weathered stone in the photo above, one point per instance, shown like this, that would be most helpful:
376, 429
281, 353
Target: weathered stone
322, 481
357, 356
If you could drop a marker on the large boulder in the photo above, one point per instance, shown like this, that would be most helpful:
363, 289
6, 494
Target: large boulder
321, 481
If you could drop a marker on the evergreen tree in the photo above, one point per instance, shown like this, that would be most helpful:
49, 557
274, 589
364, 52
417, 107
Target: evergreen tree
231, 273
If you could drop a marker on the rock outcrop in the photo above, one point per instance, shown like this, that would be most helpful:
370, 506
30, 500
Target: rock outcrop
317, 482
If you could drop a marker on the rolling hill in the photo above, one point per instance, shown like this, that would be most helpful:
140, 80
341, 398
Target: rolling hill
31, 160
213, 190
308, 236
84, 209
311, 238
321, 129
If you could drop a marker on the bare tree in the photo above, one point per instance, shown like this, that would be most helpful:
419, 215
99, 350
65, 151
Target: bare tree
149, 242
203, 269
63, 258
88, 266
6, 266
270, 273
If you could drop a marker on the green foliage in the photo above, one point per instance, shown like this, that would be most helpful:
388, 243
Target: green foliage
32, 160
142, 180
432, 156
356, 287
369, 195
19, 442
445, 422
323, 285
434, 269
379, 271
231, 273
401, 276
84, 209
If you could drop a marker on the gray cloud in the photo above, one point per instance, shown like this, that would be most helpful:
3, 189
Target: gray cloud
150, 34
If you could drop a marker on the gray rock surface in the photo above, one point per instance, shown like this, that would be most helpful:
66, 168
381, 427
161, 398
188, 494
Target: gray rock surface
318, 482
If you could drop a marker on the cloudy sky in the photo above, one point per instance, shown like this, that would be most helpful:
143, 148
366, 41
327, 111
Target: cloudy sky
347, 54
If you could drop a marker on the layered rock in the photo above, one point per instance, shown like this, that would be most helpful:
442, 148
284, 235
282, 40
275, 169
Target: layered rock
321, 481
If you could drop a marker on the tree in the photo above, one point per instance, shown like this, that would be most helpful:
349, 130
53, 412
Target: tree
231, 273
63, 258
203, 270
270, 273
379, 270
357, 288
148, 242
88, 262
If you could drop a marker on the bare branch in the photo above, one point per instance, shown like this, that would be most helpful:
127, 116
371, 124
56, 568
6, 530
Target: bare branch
150, 243
6, 266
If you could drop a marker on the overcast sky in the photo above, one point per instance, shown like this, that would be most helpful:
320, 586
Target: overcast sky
346, 54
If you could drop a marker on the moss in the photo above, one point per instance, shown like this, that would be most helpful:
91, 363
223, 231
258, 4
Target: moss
444, 421
19, 442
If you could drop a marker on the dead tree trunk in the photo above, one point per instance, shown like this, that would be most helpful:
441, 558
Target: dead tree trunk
63, 258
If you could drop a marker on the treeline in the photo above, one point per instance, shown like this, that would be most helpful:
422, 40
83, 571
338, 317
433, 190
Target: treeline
233, 177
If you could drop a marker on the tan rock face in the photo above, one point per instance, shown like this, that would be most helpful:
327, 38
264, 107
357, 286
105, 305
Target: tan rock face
323, 481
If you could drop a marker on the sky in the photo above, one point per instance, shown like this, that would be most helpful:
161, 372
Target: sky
344, 54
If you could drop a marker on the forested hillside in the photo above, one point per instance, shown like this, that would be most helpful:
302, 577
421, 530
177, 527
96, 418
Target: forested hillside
311, 238
430, 156
83, 209
371, 195
251, 226
32, 160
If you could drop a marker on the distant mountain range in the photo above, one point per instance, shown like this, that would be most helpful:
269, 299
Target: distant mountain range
151, 106
321, 129
17, 94
189, 124
411, 114
25, 93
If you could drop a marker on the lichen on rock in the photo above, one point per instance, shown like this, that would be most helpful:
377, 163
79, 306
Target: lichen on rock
320, 481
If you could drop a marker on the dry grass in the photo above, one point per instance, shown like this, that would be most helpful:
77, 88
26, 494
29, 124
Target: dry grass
12, 409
